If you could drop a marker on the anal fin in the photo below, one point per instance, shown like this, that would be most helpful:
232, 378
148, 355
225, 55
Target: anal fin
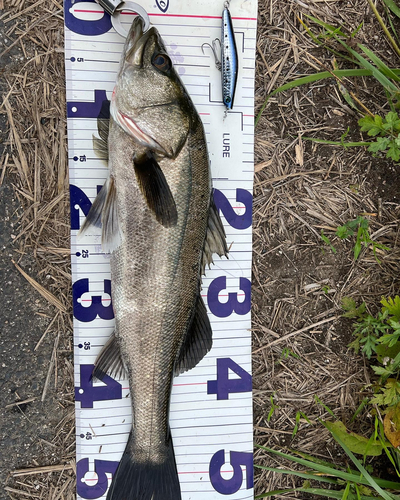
109, 361
198, 340
155, 189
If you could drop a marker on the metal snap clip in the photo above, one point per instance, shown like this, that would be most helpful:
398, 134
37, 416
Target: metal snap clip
130, 7
116, 7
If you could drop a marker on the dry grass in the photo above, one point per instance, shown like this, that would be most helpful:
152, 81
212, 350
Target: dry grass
35, 159
300, 189
300, 341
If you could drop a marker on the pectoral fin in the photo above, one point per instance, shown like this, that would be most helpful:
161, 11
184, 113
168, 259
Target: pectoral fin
109, 361
155, 189
198, 340
215, 237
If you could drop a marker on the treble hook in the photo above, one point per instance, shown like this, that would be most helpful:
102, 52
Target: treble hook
214, 49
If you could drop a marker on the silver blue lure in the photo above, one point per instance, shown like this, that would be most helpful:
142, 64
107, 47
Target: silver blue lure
227, 63
229, 59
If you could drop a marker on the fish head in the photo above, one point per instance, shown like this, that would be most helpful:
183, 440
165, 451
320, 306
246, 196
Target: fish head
149, 100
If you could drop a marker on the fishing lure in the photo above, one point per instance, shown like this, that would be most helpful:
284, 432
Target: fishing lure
228, 63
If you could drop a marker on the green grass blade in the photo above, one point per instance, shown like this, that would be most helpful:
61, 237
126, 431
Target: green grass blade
371, 481
391, 24
385, 447
359, 409
329, 27
385, 82
313, 459
379, 63
336, 143
346, 492
312, 491
318, 400
384, 27
304, 80
393, 7
330, 471
323, 493
275, 492
304, 475
332, 493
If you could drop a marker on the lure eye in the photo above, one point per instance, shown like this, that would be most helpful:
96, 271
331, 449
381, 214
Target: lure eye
162, 62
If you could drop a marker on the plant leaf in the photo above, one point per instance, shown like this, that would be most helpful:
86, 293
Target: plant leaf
372, 125
391, 426
380, 144
392, 306
393, 7
393, 152
355, 442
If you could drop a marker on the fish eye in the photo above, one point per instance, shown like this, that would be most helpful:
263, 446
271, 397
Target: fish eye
162, 62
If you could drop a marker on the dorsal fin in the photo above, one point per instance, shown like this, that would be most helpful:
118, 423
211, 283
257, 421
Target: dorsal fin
215, 241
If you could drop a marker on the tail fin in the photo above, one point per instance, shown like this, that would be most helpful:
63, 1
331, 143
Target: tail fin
145, 481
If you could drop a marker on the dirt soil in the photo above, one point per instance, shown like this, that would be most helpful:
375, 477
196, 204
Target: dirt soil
300, 188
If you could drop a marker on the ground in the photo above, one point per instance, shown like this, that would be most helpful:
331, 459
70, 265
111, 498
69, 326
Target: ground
300, 187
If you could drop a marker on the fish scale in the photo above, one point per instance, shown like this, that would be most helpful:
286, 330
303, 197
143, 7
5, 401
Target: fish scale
151, 263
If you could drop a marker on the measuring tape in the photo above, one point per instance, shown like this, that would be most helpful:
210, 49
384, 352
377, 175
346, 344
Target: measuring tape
211, 405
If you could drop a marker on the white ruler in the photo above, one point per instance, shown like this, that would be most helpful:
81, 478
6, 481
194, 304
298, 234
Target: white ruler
211, 407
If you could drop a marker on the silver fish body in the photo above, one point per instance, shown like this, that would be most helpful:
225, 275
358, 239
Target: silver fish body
162, 227
155, 281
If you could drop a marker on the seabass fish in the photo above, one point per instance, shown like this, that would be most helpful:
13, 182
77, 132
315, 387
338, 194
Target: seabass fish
161, 225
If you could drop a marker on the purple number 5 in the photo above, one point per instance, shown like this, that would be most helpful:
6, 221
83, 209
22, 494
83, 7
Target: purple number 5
232, 485
100, 468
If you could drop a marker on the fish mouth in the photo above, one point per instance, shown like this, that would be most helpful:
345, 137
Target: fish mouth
135, 33
134, 52
138, 41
